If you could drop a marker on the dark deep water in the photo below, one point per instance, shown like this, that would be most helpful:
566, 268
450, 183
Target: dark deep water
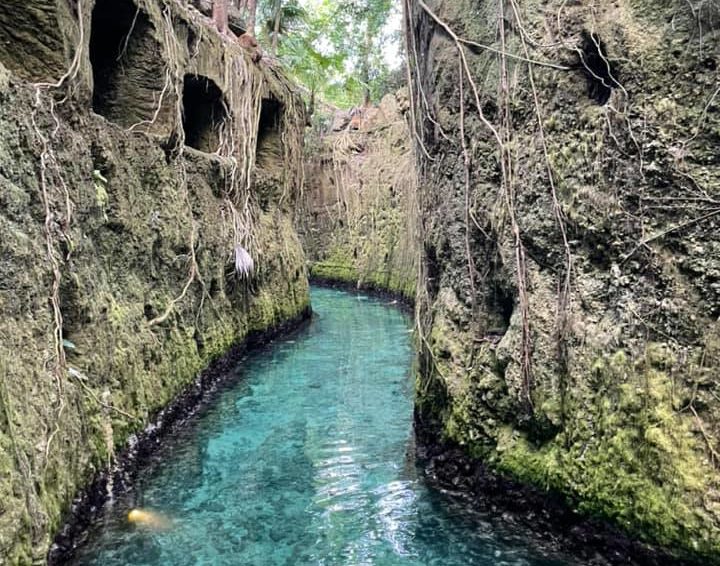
306, 458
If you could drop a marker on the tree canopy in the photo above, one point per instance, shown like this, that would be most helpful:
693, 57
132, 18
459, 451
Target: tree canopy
346, 52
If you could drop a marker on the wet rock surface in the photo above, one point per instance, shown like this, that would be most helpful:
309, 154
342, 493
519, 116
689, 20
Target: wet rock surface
141, 447
546, 519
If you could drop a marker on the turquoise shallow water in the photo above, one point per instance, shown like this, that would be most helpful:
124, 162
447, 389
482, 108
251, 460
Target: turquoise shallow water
306, 457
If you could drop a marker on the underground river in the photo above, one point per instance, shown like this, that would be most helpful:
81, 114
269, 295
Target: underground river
305, 457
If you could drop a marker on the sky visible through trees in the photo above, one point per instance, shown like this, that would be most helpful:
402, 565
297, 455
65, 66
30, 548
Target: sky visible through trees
345, 52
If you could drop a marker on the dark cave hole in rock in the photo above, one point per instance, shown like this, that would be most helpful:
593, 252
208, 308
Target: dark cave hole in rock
193, 42
204, 113
128, 70
215, 287
500, 303
601, 73
709, 64
269, 139
149, 311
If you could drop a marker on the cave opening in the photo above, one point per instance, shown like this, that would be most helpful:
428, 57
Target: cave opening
269, 149
601, 73
500, 305
127, 65
204, 113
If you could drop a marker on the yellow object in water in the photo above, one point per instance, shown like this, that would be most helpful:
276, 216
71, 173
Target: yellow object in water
148, 519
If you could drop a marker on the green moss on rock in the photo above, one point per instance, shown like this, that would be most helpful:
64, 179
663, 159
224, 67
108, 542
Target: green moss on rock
147, 289
358, 213
619, 411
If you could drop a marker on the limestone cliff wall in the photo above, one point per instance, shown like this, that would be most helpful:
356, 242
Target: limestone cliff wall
358, 216
128, 186
570, 201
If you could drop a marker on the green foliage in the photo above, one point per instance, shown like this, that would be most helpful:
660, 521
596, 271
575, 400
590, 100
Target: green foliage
292, 15
334, 47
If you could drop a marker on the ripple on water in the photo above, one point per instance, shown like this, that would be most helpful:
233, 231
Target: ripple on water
304, 460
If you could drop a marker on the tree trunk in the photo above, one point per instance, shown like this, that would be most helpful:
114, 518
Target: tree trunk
276, 29
251, 15
365, 67
220, 15
311, 106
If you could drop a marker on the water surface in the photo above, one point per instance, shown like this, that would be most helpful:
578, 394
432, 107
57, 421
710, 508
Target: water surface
306, 457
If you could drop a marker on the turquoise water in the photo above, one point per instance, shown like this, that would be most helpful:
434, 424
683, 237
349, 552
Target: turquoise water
306, 457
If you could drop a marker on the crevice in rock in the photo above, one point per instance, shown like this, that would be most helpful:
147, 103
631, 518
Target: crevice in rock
500, 304
432, 267
269, 139
204, 113
600, 71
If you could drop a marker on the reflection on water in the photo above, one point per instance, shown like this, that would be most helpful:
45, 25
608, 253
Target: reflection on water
305, 459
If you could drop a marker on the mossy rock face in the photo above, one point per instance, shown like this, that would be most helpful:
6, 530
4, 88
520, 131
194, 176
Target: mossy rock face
359, 210
602, 389
140, 266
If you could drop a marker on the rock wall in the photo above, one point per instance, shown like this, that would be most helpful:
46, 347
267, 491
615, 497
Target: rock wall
570, 202
129, 190
358, 218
